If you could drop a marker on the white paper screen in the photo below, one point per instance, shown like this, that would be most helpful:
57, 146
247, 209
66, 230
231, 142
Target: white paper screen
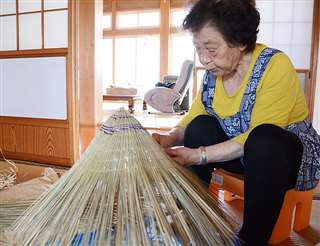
33, 87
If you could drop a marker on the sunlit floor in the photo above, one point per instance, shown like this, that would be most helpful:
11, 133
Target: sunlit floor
310, 236
149, 118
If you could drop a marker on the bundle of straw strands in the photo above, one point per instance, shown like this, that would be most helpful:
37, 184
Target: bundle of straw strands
8, 175
125, 191
11, 211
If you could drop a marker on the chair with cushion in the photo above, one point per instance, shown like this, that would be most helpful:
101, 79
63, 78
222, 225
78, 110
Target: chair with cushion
168, 100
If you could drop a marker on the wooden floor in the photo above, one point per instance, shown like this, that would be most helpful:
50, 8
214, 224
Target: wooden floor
310, 236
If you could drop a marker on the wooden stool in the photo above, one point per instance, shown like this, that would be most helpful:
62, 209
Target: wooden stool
233, 184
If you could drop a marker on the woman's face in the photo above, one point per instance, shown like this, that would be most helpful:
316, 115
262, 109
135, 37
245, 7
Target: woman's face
215, 54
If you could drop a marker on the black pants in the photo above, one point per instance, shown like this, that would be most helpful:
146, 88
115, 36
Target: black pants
272, 158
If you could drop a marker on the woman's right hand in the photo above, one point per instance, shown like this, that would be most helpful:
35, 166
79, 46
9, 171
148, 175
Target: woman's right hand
165, 140
171, 138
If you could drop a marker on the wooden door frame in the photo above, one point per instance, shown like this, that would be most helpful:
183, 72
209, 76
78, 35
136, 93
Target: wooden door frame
314, 57
47, 141
73, 78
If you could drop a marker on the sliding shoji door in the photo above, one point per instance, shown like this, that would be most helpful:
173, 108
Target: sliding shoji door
37, 82
289, 25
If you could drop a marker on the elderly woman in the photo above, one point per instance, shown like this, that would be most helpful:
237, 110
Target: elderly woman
249, 116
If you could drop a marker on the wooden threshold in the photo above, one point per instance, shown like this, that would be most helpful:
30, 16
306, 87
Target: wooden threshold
33, 53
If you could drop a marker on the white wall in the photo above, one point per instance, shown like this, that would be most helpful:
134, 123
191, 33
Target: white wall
316, 114
287, 26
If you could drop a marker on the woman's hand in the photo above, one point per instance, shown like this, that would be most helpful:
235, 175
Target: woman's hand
165, 140
172, 138
184, 156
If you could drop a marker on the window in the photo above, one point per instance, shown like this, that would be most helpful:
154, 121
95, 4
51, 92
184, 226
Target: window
181, 48
134, 60
107, 63
129, 20
125, 60
8, 26
28, 6
30, 31
107, 21
287, 25
38, 26
7, 7
55, 29
138, 56
40, 80
147, 61
177, 16
148, 19
180, 43
138, 19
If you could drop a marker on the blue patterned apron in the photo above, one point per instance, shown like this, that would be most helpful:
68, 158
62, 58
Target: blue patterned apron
309, 173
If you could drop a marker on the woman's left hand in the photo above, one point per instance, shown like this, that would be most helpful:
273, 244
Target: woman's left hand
184, 156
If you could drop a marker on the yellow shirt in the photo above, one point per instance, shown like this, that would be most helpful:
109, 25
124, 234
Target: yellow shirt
279, 97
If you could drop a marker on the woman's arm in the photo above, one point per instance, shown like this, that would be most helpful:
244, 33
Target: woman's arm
224, 151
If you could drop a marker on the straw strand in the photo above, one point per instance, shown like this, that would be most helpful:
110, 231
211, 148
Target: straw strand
125, 190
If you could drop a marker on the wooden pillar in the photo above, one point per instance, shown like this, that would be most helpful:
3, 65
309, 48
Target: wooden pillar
316, 113
113, 28
90, 35
316, 67
73, 78
164, 36
314, 56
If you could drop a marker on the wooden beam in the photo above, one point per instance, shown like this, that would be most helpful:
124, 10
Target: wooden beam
42, 24
73, 81
30, 12
164, 36
195, 80
113, 14
314, 56
175, 30
113, 60
113, 28
34, 122
6, 15
107, 33
34, 53
17, 24
54, 10
58, 161
90, 74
